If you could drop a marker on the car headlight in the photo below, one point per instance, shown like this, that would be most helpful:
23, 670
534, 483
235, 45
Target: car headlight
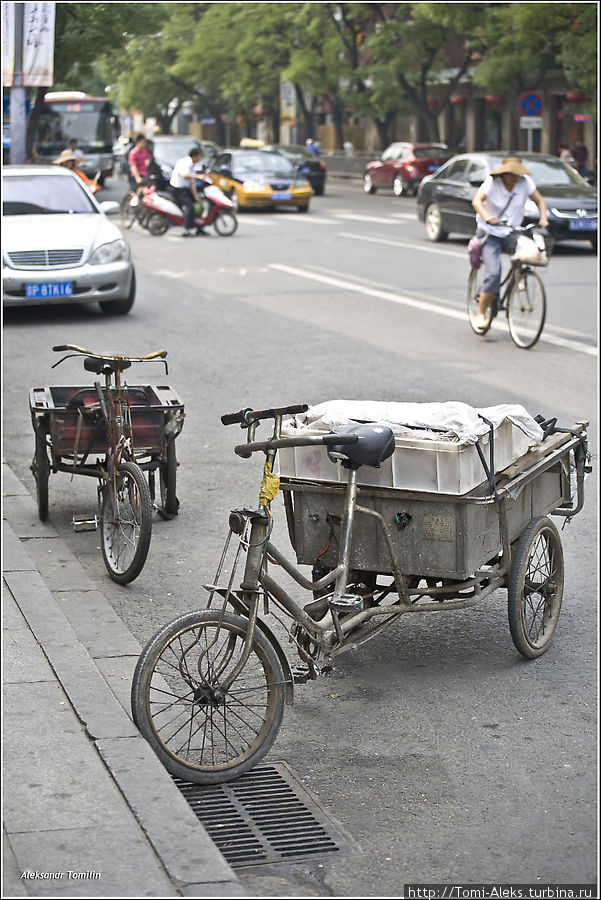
254, 185
530, 208
108, 253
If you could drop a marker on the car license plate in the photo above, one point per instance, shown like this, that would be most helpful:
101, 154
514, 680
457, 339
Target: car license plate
583, 224
281, 195
49, 289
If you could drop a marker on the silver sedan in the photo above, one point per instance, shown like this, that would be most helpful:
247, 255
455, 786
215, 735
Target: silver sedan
59, 245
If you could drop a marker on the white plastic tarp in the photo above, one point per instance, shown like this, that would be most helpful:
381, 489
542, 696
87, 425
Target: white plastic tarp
451, 420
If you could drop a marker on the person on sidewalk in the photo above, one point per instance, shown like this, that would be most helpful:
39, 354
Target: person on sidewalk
501, 197
184, 190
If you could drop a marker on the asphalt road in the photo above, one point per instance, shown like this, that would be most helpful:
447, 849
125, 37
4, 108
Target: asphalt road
443, 755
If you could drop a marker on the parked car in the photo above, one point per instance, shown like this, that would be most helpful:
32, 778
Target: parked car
402, 166
168, 148
260, 178
444, 199
59, 245
307, 164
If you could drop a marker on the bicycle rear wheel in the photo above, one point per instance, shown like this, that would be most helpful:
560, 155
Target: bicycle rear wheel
474, 286
526, 309
199, 733
128, 212
126, 524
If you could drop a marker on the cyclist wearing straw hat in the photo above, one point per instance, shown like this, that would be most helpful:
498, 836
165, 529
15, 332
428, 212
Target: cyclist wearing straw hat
501, 197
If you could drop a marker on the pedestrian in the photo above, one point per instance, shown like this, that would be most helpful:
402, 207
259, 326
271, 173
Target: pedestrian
312, 146
501, 196
580, 154
74, 149
69, 160
184, 190
138, 159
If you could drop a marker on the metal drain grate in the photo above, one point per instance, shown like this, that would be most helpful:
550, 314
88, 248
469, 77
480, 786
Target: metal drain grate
263, 817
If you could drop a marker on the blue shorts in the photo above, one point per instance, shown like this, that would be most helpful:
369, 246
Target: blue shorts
490, 252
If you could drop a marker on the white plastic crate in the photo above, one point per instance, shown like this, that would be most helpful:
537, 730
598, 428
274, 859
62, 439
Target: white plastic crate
443, 467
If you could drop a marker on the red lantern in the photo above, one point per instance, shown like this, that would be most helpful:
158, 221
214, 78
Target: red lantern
457, 100
494, 100
431, 102
574, 96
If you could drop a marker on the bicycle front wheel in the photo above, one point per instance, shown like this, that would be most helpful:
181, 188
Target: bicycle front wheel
526, 309
474, 286
199, 732
128, 212
126, 523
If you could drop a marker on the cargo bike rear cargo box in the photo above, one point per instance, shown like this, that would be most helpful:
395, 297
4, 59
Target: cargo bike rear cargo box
434, 535
73, 420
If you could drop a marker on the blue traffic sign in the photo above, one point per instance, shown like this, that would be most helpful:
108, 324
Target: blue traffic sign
530, 104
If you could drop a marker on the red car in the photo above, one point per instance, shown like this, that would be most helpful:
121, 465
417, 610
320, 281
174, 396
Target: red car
402, 166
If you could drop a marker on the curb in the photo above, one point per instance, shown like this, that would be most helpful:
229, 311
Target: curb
87, 649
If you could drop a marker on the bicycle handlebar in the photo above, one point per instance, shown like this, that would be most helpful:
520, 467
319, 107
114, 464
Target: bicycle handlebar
246, 450
245, 417
156, 354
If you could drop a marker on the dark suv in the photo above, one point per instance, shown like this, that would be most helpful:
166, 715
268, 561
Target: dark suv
444, 199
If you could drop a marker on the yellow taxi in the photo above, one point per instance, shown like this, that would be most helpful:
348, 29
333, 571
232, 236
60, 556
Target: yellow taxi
256, 179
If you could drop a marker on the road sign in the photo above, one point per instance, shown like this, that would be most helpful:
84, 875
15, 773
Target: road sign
530, 104
531, 121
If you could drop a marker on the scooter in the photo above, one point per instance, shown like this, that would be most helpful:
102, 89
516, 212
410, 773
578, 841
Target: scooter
163, 211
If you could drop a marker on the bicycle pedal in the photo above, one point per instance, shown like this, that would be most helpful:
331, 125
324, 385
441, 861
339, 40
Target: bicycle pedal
85, 523
300, 674
345, 603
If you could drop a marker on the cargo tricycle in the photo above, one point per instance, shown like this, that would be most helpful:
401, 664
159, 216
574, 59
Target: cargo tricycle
210, 687
122, 435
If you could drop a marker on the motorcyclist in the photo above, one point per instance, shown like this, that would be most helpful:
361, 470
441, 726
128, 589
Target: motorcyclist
185, 192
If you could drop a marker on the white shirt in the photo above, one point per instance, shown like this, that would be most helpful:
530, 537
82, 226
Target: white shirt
184, 166
497, 196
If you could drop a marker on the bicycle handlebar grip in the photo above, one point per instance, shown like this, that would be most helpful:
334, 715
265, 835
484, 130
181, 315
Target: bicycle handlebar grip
340, 439
158, 354
60, 348
234, 418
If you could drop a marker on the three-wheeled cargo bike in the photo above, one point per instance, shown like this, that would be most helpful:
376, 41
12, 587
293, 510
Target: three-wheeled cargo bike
210, 687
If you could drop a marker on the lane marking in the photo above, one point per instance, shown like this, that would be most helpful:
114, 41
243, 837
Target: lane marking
403, 300
457, 254
356, 217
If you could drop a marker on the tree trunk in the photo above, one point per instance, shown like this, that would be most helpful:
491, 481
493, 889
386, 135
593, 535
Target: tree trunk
33, 122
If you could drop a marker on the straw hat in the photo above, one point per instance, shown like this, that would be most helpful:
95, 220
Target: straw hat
66, 156
511, 165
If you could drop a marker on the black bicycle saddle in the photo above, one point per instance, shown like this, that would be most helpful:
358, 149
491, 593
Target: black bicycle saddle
375, 444
104, 366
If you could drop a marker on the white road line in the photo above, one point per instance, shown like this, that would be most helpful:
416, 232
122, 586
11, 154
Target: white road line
419, 304
355, 217
457, 254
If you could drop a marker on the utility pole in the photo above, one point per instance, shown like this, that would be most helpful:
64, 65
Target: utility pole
17, 95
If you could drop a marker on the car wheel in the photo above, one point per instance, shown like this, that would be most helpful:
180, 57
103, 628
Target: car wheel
398, 186
433, 220
304, 208
368, 186
120, 307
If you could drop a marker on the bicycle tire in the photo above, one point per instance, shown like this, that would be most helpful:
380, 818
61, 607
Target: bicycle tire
474, 286
167, 481
126, 531
535, 588
41, 472
526, 309
199, 736
128, 212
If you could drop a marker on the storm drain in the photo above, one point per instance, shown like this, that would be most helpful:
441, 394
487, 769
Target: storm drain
263, 817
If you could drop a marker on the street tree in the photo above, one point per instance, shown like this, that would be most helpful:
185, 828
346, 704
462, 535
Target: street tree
83, 31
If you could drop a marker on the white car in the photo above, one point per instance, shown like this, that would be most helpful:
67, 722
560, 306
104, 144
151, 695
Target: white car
59, 245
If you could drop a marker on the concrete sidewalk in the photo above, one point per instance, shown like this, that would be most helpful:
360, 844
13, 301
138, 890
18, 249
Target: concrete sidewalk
89, 811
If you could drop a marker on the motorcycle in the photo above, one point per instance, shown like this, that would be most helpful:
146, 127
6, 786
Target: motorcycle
163, 211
